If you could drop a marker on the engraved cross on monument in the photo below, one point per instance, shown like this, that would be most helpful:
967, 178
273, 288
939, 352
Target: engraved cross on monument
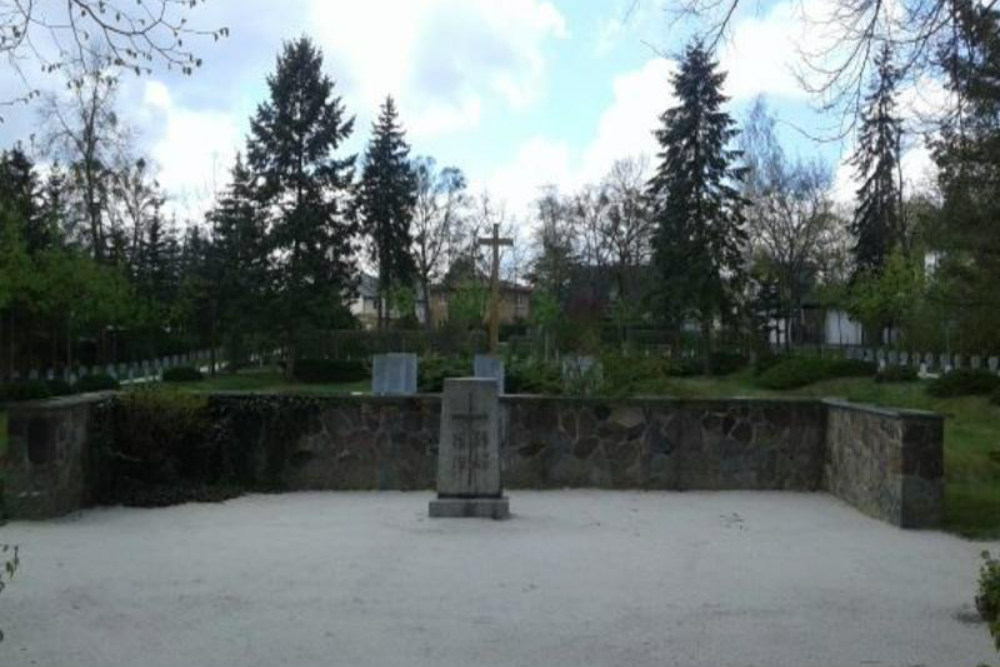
495, 242
468, 472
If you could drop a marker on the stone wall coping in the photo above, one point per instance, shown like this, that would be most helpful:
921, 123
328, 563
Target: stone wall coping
58, 402
885, 411
656, 400
345, 398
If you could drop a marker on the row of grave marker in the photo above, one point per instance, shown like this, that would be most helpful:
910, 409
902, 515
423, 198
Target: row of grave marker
927, 362
135, 371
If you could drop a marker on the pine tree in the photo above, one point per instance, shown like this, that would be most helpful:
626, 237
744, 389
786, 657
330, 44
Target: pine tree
305, 191
239, 262
700, 235
877, 223
386, 200
20, 194
967, 154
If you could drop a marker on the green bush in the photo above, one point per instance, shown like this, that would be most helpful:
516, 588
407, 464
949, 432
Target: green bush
801, 371
330, 370
623, 374
726, 362
533, 377
59, 387
183, 374
25, 390
964, 382
96, 382
988, 599
896, 374
433, 369
157, 449
766, 360
685, 367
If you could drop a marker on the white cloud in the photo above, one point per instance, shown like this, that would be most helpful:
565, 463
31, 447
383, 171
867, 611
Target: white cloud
918, 171
193, 150
539, 162
625, 128
442, 58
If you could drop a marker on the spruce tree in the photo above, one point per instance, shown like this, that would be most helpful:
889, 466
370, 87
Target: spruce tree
877, 224
238, 262
305, 190
698, 212
386, 200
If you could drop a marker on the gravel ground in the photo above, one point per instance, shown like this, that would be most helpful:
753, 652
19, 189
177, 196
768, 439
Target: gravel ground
574, 578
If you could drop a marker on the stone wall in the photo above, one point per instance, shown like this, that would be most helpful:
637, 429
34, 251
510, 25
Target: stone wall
888, 463
661, 443
47, 468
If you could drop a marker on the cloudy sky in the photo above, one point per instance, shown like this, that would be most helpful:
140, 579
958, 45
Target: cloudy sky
518, 93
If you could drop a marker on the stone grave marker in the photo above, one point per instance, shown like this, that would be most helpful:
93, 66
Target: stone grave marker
945, 363
394, 374
993, 363
904, 358
489, 366
468, 466
929, 360
975, 362
893, 358
959, 361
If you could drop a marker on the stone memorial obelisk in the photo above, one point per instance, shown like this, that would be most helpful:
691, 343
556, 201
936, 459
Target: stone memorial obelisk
468, 476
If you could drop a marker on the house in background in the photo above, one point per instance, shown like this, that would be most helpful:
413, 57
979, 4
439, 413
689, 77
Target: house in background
515, 302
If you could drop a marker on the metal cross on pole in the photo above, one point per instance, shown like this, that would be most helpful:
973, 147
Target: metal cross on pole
495, 241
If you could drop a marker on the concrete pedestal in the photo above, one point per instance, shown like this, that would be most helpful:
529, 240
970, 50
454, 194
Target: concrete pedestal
479, 508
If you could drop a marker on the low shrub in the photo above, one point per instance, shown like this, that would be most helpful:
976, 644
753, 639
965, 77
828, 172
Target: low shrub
686, 367
330, 370
25, 390
964, 382
795, 372
534, 377
766, 360
896, 374
96, 382
433, 369
988, 599
623, 374
726, 362
158, 443
183, 374
59, 387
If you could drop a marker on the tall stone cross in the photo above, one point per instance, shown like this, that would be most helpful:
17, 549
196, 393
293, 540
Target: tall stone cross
495, 241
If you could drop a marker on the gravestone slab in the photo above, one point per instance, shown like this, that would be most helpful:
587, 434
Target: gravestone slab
468, 475
489, 366
893, 358
945, 362
976, 362
993, 363
904, 358
394, 374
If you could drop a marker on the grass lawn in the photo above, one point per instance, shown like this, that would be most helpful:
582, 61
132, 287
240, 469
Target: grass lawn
271, 380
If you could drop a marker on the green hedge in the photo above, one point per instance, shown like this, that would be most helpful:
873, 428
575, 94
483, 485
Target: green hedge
25, 390
801, 371
321, 371
183, 374
964, 382
896, 374
96, 382
533, 377
433, 369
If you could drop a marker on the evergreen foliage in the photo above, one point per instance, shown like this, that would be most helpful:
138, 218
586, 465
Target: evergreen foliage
305, 191
700, 235
386, 200
877, 222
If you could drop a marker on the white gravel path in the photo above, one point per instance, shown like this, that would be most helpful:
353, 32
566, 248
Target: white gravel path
575, 578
